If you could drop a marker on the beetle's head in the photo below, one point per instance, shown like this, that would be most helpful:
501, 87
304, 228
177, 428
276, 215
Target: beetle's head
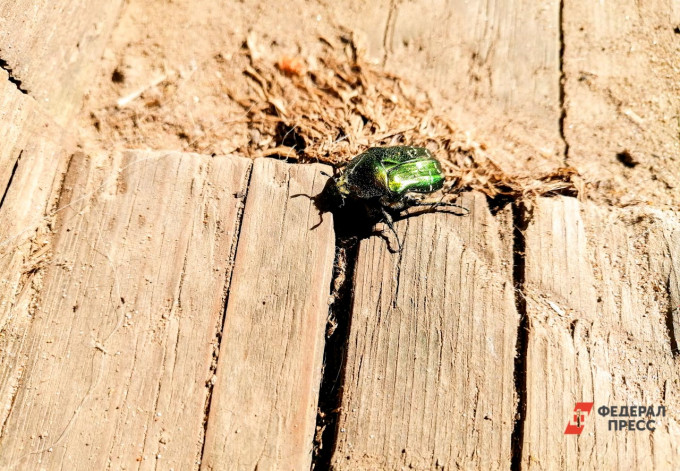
334, 193
341, 189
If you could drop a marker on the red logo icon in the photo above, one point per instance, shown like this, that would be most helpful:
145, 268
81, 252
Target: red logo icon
581, 412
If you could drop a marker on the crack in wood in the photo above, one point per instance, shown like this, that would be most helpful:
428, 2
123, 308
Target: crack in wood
242, 194
335, 352
563, 78
11, 178
389, 31
521, 217
10, 76
672, 316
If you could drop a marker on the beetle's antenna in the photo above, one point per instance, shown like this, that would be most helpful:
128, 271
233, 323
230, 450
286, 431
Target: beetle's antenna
296, 195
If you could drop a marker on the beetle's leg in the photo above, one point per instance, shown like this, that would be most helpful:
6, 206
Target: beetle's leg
318, 223
410, 202
390, 223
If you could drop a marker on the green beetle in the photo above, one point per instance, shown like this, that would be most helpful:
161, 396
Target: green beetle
384, 178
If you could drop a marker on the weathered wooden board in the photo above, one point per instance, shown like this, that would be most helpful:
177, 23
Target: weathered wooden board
429, 371
125, 328
506, 50
596, 287
264, 406
33, 160
622, 87
52, 47
499, 59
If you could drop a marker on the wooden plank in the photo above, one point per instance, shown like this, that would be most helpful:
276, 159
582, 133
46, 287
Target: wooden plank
622, 96
506, 50
51, 48
597, 303
33, 160
263, 411
496, 63
121, 347
429, 370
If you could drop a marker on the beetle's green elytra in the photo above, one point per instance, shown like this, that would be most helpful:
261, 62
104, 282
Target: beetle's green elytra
383, 179
390, 172
422, 176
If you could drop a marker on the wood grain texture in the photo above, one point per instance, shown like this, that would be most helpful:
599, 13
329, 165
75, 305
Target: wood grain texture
264, 406
496, 63
33, 160
429, 371
52, 47
597, 303
622, 87
508, 50
124, 331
